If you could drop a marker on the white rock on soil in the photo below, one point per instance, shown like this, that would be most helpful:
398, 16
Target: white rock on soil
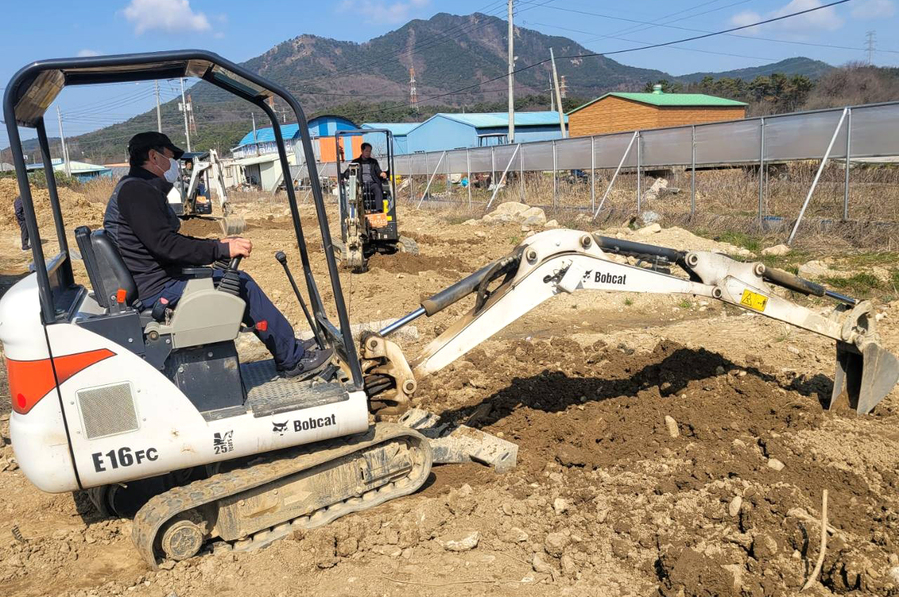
814, 269
460, 540
776, 250
471, 222
776, 464
734, 507
511, 208
540, 565
555, 544
671, 424
560, 505
651, 229
551, 224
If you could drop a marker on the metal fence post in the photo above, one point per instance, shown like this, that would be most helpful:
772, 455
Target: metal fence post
555, 179
412, 178
808, 198
431, 180
492, 164
468, 167
848, 153
521, 175
692, 171
448, 184
615, 176
639, 174
592, 173
502, 178
761, 170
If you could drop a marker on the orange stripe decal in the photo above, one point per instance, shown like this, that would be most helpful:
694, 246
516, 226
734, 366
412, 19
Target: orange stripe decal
29, 381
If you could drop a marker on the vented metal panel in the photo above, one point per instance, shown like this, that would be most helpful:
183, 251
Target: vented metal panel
107, 410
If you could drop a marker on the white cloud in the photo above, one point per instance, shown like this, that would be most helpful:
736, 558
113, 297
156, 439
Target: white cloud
813, 22
170, 16
873, 9
384, 12
87, 52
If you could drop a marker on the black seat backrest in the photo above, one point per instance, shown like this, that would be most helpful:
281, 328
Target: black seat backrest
105, 268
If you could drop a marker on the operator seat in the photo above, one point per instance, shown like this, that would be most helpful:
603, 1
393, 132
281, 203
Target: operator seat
114, 287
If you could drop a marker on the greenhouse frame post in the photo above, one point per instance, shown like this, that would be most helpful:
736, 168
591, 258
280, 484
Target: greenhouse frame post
811, 191
692, 171
639, 173
848, 153
468, 167
555, 178
592, 173
521, 196
761, 171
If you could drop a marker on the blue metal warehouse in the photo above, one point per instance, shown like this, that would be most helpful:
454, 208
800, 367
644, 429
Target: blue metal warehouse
399, 130
263, 140
450, 131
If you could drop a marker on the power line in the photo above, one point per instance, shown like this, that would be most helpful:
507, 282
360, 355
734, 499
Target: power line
648, 47
752, 37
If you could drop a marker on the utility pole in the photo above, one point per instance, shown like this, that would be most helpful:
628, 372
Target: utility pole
870, 42
65, 150
184, 109
511, 77
158, 110
552, 57
552, 97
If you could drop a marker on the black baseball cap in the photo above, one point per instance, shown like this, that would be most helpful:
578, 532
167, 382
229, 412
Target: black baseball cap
153, 140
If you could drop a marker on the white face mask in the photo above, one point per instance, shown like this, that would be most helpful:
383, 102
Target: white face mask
172, 174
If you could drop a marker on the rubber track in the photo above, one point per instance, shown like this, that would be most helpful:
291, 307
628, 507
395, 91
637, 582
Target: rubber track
163, 507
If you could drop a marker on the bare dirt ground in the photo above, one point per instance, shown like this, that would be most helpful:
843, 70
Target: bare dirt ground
605, 499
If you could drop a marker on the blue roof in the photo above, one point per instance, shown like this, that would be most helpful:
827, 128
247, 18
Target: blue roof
397, 128
267, 134
486, 120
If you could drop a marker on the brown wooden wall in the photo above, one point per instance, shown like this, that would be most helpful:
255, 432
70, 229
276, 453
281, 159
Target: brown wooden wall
614, 114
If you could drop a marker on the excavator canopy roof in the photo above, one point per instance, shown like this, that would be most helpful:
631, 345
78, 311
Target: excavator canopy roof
38, 84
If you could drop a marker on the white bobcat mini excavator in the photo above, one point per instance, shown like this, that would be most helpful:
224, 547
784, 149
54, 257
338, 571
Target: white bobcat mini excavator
202, 180
158, 419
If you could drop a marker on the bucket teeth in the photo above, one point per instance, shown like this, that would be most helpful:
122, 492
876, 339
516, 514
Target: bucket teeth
866, 376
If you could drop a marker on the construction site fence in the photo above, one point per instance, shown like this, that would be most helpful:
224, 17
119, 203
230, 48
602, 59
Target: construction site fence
856, 132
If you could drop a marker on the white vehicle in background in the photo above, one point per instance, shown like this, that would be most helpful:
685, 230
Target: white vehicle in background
201, 180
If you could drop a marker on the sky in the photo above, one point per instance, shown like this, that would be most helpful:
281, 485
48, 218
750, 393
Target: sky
239, 30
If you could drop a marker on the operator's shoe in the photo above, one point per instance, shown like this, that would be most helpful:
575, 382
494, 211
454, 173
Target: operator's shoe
309, 343
313, 361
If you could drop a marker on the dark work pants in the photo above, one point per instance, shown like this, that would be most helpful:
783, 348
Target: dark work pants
24, 231
373, 196
278, 338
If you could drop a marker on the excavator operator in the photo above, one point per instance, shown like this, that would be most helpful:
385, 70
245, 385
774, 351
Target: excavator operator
372, 193
145, 230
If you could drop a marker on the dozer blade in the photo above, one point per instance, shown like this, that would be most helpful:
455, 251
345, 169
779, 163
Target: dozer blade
866, 377
232, 224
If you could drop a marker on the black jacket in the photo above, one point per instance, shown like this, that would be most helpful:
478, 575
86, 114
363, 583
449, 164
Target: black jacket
375, 167
145, 230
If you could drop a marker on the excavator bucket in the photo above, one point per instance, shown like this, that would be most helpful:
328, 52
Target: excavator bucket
232, 224
866, 376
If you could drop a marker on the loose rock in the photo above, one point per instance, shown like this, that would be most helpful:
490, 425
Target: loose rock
776, 464
673, 430
460, 540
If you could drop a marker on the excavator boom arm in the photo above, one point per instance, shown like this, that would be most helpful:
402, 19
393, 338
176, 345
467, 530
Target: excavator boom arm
565, 261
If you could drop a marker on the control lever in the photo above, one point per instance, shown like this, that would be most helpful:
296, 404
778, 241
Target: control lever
230, 281
282, 259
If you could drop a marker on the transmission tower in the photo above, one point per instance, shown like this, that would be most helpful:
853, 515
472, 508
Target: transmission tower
870, 43
413, 93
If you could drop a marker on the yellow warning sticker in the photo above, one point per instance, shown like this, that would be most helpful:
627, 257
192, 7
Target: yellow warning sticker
754, 301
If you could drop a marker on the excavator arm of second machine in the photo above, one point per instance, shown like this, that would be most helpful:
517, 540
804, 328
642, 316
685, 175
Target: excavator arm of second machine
565, 261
